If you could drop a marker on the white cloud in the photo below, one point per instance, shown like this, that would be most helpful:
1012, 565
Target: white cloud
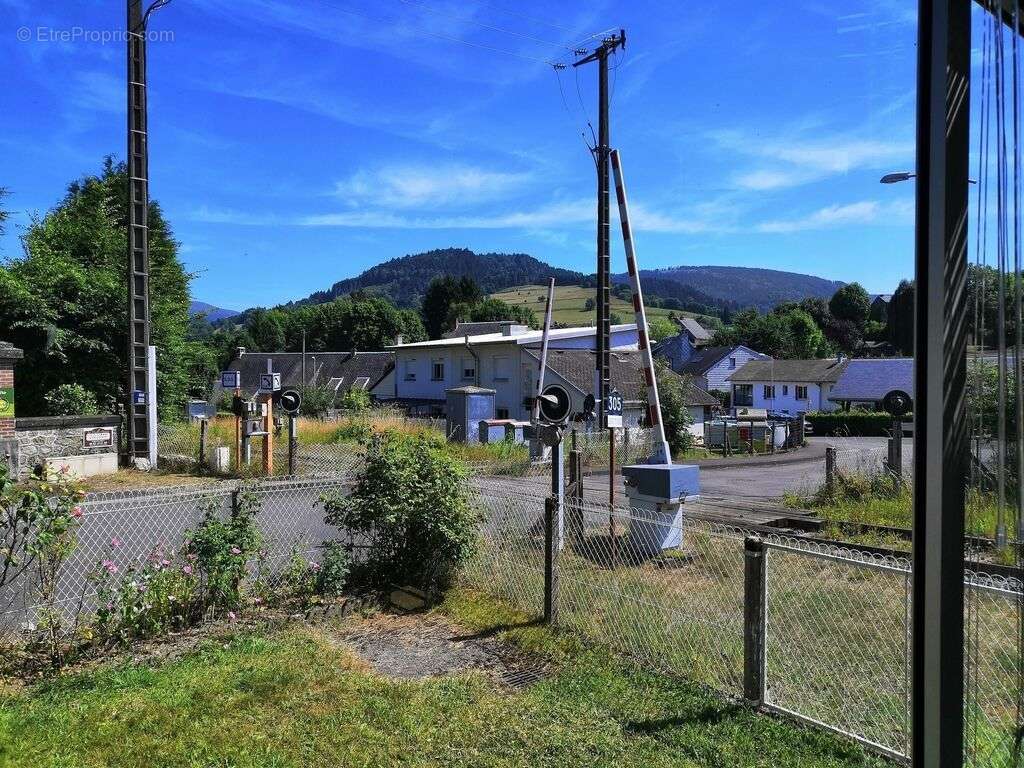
405, 186
803, 157
838, 215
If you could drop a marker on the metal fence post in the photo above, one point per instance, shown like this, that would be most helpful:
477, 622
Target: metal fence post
550, 560
830, 469
293, 442
202, 443
753, 619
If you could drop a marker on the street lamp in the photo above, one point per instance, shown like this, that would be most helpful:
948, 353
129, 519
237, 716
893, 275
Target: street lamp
894, 178
898, 176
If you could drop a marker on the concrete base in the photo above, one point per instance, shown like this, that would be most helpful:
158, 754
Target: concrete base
83, 466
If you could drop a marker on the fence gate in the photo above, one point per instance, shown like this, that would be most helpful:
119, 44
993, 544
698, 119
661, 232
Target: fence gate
836, 643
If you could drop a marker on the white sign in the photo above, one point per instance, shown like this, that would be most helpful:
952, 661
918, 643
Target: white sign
613, 413
98, 437
231, 379
270, 382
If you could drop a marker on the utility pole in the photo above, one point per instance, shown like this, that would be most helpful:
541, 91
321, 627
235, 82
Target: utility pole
601, 157
141, 386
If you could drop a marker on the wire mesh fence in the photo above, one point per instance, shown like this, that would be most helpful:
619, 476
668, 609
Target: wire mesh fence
833, 643
674, 593
127, 527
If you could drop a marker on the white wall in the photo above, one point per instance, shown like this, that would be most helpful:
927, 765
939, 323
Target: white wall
785, 397
717, 376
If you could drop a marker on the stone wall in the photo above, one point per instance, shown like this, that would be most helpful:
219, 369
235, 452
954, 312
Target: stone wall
49, 437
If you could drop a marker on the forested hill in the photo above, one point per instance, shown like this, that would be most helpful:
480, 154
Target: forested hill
741, 286
404, 280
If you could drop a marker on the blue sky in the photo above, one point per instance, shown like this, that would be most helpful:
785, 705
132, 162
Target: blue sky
295, 143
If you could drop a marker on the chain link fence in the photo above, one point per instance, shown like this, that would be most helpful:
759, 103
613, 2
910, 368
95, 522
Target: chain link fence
815, 631
126, 527
812, 630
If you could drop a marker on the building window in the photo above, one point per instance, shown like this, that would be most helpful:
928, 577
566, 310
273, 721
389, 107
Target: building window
732, 363
743, 394
468, 369
801, 391
501, 413
410, 370
785, 389
501, 369
769, 391
437, 371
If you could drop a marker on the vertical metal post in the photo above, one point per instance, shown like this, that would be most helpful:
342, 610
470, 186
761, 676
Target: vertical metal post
550, 561
941, 428
293, 442
558, 488
238, 437
151, 418
830, 469
138, 239
753, 619
203, 424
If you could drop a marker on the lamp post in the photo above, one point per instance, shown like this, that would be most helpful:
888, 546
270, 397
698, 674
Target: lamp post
898, 176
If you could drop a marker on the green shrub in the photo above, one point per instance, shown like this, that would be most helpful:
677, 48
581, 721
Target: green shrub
355, 400
411, 500
222, 549
71, 400
852, 423
316, 400
334, 569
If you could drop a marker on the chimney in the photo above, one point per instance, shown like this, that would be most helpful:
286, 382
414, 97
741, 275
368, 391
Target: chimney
399, 339
239, 351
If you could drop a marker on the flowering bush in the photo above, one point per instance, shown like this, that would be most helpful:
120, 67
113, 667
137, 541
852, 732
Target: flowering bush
158, 594
38, 524
221, 550
301, 577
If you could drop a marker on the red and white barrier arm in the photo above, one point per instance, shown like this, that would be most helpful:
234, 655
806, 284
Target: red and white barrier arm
661, 451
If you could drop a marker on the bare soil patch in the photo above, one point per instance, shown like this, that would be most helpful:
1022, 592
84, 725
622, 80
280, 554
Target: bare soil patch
421, 646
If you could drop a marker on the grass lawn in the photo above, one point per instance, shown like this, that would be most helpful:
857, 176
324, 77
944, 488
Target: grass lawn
296, 698
569, 304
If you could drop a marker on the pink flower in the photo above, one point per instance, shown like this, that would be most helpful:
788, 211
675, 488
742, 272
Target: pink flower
257, 600
231, 615
236, 551
314, 566
76, 512
110, 566
187, 570
165, 563
115, 542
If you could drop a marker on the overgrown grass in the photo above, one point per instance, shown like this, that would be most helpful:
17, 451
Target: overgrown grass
295, 698
878, 500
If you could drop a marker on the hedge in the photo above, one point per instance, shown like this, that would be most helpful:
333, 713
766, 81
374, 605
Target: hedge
852, 423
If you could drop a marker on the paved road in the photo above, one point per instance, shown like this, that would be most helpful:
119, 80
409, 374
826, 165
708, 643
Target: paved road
771, 482
739, 479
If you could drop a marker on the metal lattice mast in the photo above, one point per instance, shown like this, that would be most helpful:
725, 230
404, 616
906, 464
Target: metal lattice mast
602, 384
661, 451
139, 413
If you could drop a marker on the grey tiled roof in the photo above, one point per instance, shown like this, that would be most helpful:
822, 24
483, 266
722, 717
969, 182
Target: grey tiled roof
698, 331
325, 366
10, 352
812, 371
576, 366
872, 379
704, 359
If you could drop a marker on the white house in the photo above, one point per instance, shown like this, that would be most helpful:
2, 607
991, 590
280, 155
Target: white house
711, 367
793, 386
500, 360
